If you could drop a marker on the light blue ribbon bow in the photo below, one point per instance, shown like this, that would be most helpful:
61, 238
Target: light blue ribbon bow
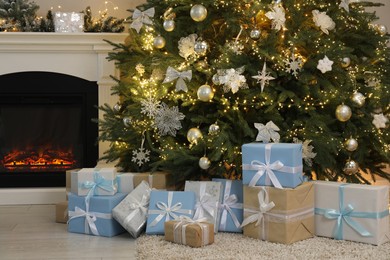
98, 182
345, 214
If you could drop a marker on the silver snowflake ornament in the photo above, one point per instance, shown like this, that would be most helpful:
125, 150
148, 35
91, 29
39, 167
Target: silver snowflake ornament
167, 120
325, 65
150, 106
294, 65
263, 77
141, 156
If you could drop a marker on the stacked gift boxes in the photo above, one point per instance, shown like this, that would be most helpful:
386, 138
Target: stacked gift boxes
278, 206
92, 197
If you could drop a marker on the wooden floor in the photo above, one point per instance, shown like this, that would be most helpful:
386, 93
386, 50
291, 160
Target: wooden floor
30, 232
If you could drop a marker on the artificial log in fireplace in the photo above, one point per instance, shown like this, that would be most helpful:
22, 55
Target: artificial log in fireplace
46, 128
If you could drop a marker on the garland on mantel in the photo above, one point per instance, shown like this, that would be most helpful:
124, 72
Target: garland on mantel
20, 16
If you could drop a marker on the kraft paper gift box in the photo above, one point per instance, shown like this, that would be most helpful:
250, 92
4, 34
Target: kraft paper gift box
62, 212
208, 199
131, 212
355, 212
272, 164
94, 181
157, 180
168, 205
279, 215
189, 232
231, 208
93, 216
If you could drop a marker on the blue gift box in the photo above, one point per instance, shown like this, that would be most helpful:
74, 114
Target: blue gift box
93, 216
232, 212
272, 164
168, 205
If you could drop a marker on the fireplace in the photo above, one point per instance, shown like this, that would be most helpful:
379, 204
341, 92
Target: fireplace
46, 128
79, 55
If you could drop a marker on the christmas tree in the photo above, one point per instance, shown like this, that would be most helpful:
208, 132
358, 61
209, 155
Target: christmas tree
200, 79
18, 15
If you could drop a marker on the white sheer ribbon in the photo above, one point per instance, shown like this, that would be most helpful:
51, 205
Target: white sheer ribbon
167, 210
206, 205
268, 168
140, 18
258, 215
229, 202
138, 207
173, 74
179, 234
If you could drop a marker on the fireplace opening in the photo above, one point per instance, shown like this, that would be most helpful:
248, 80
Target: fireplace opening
46, 128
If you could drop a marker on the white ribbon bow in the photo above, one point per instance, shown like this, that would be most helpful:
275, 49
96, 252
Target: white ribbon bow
167, 210
258, 215
229, 202
267, 132
183, 222
138, 207
206, 204
173, 74
90, 218
140, 18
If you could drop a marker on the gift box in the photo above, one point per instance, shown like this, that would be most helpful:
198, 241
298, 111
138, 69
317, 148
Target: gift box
93, 216
157, 180
168, 205
231, 208
272, 164
70, 22
189, 232
62, 212
94, 181
279, 215
208, 199
131, 212
355, 212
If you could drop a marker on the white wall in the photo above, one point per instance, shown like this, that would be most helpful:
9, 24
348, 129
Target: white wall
123, 5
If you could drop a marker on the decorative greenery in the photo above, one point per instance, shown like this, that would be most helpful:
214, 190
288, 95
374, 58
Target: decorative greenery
297, 40
19, 15
104, 23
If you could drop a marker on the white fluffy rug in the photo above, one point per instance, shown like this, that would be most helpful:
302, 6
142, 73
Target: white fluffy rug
236, 246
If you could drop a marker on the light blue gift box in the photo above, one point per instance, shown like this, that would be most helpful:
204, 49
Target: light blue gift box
93, 216
232, 212
282, 161
168, 205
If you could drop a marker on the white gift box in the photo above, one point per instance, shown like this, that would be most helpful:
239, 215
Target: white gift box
71, 22
94, 181
132, 211
208, 199
354, 212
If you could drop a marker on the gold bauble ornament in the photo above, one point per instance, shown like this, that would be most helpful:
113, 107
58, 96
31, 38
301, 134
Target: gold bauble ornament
213, 129
201, 47
345, 62
382, 29
193, 135
169, 25
358, 99
255, 34
127, 121
343, 113
351, 144
204, 163
351, 167
205, 93
198, 13
159, 42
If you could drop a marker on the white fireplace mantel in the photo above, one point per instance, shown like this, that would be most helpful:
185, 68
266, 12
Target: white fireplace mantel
83, 55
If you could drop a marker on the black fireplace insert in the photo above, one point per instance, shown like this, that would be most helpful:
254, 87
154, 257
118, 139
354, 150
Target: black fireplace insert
46, 128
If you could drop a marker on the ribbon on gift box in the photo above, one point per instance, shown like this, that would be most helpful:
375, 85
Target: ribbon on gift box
90, 218
205, 204
229, 203
138, 207
268, 168
98, 182
167, 210
179, 235
345, 214
258, 215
